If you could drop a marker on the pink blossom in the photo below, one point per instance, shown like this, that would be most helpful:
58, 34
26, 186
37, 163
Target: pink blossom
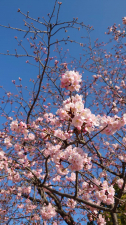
26, 190
14, 125
71, 203
7, 142
106, 194
57, 178
17, 147
124, 20
124, 139
111, 190
36, 217
20, 206
72, 177
61, 170
101, 220
109, 201
16, 177
113, 124
48, 212
70, 80
39, 120
77, 122
31, 136
22, 125
60, 134
120, 183
2, 154
29, 206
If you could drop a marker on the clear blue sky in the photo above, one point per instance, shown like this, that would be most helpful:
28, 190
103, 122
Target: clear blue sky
98, 13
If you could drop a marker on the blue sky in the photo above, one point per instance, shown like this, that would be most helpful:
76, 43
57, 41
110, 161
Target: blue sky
99, 14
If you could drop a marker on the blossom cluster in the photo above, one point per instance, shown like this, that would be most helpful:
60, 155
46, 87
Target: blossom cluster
73, 110
120, 183
21, 127
48, 212
71, 203
70, 80
78, 159
124, 20
112, 124
101, 191
101, 220
29, 206
18, 127
62, 135
106, 194
52, 119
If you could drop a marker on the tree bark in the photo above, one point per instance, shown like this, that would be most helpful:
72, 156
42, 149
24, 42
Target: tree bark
114, 219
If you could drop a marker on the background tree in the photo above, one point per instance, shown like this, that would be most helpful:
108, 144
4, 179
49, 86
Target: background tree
120, 216
62, 156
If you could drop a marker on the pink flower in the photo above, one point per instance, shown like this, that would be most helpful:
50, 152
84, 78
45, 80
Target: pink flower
71, 203
77, 122
120, 183
22, 125
36, 217
110, 201
70, 80
20, 206
72, 178
14, 125
111, 190
48, 212
124, 20
57, 178
29, 206
27, 190
61, 170
7, 142
31, 136
17, 147
101, 220
106, 195
124, 139
60, 134
76, 161
16, 177
62, 114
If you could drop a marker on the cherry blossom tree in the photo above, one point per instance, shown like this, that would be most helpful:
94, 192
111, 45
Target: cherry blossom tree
62, 154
